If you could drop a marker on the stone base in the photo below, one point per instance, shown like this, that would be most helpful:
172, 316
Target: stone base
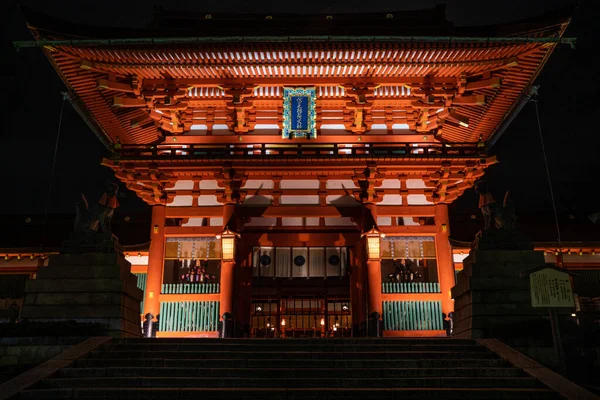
91, 242
492, 301
86, 288
501, 239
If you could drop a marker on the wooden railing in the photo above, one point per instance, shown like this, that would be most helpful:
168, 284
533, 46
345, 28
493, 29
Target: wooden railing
189, 316
412, 150
141, 283
190, 288
410, 287
412, 315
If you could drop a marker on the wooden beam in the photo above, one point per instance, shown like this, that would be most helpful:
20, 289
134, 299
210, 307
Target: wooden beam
194, 212
476, 100
406, 211
284, 81
321, 139
124, 102
484, 84
187, 231
417, 230
299, 211
114, 85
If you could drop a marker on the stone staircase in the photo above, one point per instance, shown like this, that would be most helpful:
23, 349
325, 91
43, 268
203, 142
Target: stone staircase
290, 369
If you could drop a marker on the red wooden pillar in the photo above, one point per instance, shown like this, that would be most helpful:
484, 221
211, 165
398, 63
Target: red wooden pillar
227, 280
373, 265
156, 261
357, 289
374, 281
444, 256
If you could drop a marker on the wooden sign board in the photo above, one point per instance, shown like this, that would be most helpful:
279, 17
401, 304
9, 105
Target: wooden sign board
299, 113
551, 288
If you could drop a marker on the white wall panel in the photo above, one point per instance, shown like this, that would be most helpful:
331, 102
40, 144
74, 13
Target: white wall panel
181, 201
313, 200
418, 199
391, 200
183, 185
299, 184
340, 184
258, 184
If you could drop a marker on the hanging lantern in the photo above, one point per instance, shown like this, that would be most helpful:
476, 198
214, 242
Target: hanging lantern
228, 244
373, 243
322, 321
282, 321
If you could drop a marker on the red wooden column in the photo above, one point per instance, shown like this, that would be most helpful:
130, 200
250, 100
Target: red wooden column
444, 256
373, 266
156, 260
227, 269
374, 281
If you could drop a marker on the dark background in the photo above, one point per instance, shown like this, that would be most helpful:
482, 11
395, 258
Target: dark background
568, 103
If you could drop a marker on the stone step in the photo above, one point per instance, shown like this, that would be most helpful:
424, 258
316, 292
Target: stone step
308, 353
293, 394
281, 347
288, 363
272, 382
288, 372
295, 341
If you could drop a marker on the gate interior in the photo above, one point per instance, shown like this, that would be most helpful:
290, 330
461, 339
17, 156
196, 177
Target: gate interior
301, 317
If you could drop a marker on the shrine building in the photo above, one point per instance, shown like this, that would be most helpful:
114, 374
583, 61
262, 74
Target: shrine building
299, 178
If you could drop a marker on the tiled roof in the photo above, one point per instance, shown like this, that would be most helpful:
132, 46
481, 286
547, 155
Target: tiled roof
374, 59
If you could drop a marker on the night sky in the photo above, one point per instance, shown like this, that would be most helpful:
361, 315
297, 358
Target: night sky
568, 103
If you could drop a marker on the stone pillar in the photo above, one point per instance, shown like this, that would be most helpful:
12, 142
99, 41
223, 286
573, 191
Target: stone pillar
444, 256
156, 260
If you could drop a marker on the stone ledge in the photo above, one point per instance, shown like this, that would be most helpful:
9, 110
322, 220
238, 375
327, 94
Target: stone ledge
545, 375
27, 379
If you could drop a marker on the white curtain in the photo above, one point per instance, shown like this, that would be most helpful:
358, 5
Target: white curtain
263, 269
299, 254
283, 262
333, 254
316, 262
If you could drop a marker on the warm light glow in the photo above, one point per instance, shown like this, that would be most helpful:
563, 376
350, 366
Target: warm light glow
373, 246
151, 295
283, 322
373, 243
228, 244
322, 321
573, 315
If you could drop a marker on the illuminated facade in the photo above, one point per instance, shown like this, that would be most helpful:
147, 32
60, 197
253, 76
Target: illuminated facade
299, 183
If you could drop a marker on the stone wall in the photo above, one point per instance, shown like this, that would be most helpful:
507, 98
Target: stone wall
18, 354
86, 288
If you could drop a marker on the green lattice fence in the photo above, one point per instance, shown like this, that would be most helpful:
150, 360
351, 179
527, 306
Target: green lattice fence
189, 316
410, 287
412, 315
141, 283
190, 288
